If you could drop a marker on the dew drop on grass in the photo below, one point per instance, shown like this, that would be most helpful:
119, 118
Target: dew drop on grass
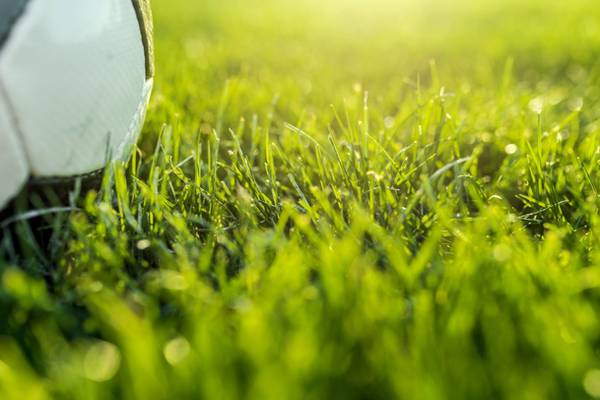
591, 383
389, 122
102, 361
576, 104
502, 252
143, 244
486, 137
176, 350
537, 105
511, 148
174, 281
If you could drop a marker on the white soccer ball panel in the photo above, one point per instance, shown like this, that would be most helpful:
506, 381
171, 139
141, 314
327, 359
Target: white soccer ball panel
74, 73
13, 162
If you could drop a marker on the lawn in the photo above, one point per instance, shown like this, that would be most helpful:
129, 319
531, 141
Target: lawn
353, 199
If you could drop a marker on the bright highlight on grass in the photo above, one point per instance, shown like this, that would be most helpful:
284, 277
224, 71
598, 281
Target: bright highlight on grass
331, 200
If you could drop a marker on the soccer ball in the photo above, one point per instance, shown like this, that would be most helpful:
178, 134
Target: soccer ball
75, 79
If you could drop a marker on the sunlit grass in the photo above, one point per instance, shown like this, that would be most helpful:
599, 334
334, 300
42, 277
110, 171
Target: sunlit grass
342, 199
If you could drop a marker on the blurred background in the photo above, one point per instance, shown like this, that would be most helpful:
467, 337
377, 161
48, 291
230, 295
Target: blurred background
315, 53
123, 315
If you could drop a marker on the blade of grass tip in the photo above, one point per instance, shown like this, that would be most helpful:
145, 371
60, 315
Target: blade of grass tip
588, 176
174, 169
337, 117
448, 167
156, 153
384, 152
239, 132
198, 163
439, 128
166, 156
33, 214
300, 192
75, 194
435, 76
302, 133
236, 141
176, 147
266, 137
268, 153
365, 136
254, 139
133, 161
412, 171
270, 168
242, 156
426, 185
543, 210
135, 166
106, 185
338, 157
213, 163
539, 137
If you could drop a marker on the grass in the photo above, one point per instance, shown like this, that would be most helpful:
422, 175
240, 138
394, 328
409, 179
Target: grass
341, 199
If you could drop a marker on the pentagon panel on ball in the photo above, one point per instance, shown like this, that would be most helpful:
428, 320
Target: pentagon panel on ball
75, 79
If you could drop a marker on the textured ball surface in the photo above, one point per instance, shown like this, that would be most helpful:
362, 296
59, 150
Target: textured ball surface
75, 78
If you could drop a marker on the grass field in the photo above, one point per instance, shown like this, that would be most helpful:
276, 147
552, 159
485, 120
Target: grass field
353, 199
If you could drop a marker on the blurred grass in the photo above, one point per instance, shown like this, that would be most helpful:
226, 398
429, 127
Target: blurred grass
339, 199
